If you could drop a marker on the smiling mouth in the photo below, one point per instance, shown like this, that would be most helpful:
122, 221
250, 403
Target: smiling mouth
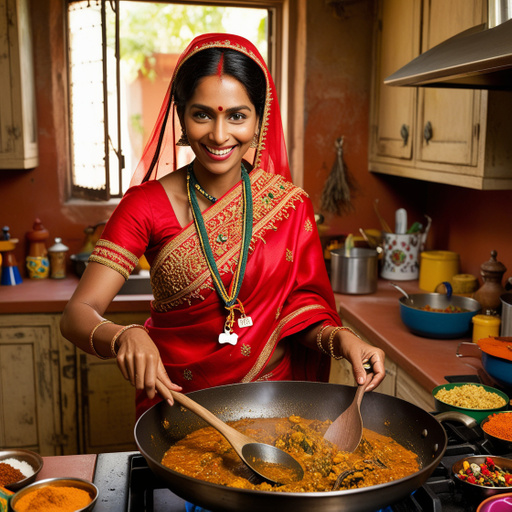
219, 152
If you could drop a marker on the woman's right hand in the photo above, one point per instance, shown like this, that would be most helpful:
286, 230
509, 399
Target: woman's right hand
139, 360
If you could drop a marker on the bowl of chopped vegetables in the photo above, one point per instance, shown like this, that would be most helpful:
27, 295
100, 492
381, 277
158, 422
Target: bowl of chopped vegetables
497, 428
482, 476
472, 399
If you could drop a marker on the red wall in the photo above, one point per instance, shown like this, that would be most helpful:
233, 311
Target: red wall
337, 104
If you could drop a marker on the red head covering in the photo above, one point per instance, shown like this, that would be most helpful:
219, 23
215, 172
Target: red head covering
159, 156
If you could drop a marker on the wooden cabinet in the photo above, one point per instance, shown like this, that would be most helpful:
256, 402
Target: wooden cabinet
54, 398
37, 387
18, 127
452, 136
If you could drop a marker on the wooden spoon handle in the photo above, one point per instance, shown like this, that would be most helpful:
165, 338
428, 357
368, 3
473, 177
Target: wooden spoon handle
235, 438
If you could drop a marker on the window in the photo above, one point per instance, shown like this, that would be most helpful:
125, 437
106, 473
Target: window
121, 57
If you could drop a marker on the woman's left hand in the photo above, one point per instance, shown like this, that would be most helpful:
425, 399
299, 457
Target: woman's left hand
357, 352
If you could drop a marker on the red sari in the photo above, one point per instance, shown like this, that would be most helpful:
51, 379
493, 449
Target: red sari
285, 288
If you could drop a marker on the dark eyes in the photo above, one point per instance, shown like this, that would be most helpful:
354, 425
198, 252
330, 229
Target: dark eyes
203, 116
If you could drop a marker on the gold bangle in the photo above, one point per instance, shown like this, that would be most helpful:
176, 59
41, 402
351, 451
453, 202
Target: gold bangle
91, 339
331, 340
319, 339
118, 333
348, 329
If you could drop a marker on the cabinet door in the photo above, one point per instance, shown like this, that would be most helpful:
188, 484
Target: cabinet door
394, 112
18, 126
448, 119
29, 385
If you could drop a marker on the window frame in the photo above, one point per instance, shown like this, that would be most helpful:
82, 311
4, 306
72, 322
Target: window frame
277, 60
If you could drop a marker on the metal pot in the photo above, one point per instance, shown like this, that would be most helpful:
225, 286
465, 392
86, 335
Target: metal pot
355, 273
161, 426
506, 314
497, 369
433, 324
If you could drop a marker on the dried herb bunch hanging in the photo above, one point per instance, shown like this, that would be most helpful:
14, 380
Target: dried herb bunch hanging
340, 186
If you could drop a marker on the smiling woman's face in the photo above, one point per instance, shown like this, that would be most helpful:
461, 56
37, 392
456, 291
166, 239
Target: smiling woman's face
220, 121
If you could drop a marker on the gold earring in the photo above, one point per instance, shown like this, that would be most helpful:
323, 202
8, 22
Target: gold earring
183, 139
254, 142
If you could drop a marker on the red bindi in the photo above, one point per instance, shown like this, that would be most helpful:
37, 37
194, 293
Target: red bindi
220, 109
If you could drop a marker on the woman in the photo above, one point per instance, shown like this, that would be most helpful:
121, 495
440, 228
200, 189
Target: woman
240, 287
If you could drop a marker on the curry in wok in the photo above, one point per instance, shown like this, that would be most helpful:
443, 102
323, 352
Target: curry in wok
206, 455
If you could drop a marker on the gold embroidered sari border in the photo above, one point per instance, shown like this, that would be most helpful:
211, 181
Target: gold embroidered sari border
272, 341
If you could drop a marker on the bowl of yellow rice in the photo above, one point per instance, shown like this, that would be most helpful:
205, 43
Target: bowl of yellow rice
475, 400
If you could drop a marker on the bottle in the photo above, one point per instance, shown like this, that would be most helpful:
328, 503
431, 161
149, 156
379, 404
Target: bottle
488, 295
37, 262
58, 259
10, 272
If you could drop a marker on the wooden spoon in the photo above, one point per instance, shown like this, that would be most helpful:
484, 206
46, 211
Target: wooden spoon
266, 460
346, 430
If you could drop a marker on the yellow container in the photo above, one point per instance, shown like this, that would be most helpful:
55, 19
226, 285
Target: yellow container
485, 326
436, 267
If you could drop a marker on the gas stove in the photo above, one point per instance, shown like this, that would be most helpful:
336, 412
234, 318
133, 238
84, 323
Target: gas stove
127, 484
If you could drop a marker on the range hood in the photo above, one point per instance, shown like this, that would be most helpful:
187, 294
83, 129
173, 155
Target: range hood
478, 58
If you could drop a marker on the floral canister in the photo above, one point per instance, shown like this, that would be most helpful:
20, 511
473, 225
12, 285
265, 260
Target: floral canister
400, 256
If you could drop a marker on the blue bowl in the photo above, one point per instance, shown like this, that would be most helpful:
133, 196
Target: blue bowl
434, 324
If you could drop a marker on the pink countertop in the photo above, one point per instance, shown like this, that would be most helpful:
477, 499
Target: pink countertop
68, 466
51, 296
377, 317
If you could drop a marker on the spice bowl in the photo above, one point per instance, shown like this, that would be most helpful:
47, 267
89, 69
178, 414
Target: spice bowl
24, 457
479, 414
475, 493
27, 494
500, 444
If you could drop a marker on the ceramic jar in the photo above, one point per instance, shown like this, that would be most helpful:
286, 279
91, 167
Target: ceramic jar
37, 262
58, 259
489, 293
437, 267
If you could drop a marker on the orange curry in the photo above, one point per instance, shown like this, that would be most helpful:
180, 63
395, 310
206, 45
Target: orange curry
206, 455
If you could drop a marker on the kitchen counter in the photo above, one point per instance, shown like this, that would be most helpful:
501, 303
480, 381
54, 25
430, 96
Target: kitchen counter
377, 317
51, 296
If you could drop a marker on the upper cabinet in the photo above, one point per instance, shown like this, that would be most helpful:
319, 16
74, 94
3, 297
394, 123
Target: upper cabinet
452, 136
18, 126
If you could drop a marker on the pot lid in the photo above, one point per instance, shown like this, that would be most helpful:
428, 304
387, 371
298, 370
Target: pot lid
478, 58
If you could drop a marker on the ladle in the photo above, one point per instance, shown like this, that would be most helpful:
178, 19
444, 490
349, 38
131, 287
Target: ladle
269, 462
401, 290
346, 430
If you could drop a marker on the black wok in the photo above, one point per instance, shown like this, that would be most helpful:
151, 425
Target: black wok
414, 428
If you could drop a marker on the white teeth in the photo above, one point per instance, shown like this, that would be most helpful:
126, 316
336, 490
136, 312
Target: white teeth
218, 152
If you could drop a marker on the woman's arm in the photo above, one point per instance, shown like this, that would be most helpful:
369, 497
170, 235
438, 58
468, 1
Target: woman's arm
338, 342
83, 324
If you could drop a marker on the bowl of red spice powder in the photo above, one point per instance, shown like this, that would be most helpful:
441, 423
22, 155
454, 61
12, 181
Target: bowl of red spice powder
497, 428
57, 495
19, 468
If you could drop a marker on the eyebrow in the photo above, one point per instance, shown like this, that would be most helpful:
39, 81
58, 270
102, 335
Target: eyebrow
228, 110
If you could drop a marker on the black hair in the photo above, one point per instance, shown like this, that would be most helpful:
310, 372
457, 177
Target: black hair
206, 63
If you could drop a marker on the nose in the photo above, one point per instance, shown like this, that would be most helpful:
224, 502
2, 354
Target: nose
219, 133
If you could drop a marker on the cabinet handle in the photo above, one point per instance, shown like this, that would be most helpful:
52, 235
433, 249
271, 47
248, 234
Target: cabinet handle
427, 132
404, 133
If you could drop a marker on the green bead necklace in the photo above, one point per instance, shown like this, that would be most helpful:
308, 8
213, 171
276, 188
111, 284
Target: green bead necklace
230, 299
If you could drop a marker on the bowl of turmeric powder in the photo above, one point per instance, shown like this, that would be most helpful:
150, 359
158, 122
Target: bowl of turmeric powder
56, 494
497, 428
19, 468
